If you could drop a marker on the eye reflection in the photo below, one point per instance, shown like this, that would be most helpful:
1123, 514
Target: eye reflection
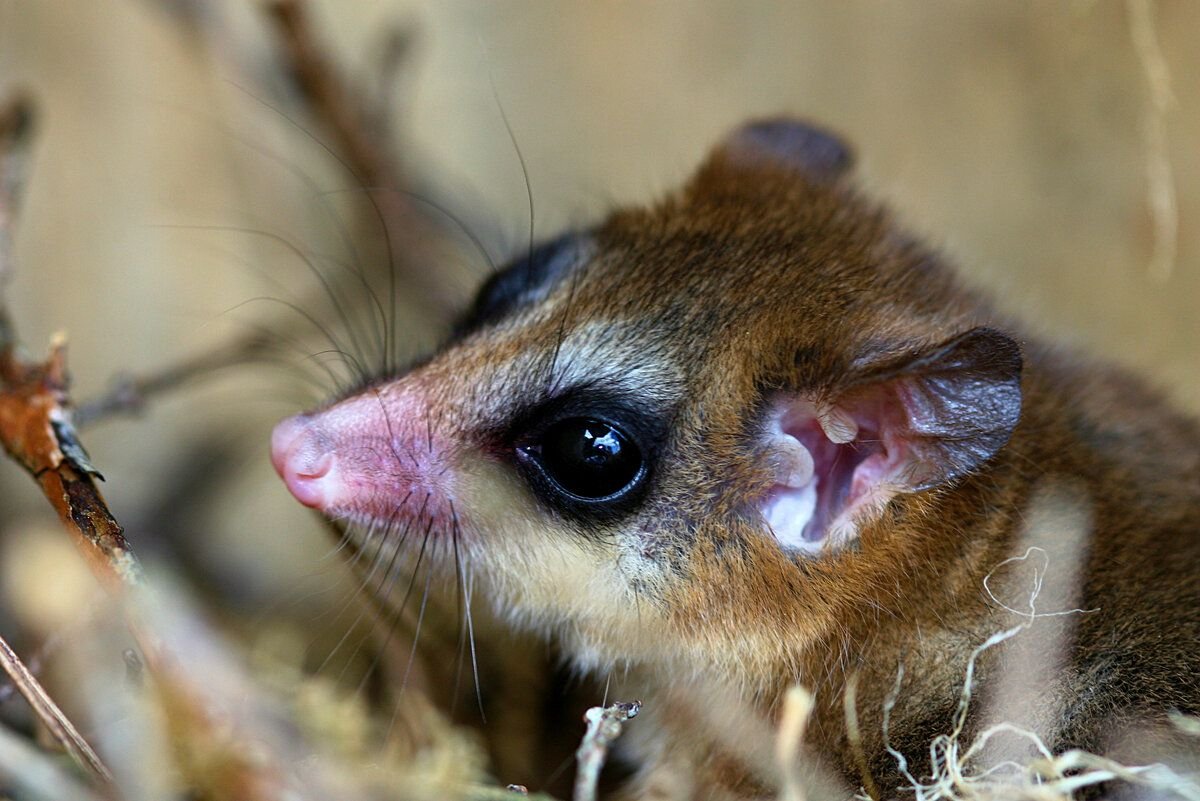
589, 458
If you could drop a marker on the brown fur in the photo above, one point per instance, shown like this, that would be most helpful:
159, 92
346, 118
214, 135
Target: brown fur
771, 276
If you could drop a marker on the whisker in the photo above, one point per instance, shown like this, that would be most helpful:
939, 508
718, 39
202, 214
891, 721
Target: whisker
552, 383
377, 560
333, 343
470, 622
412, 655
383, 226
387, 420
291, 600
287, 345
397, 615
335, 301
461, 634
352, 564
476, 243
381, 325
520, 156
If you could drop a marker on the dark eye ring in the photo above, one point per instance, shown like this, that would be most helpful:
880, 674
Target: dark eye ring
587, 459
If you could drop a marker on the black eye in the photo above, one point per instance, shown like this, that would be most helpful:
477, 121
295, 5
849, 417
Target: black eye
588, 458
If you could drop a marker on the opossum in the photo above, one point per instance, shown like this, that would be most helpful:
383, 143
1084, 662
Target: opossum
757, 435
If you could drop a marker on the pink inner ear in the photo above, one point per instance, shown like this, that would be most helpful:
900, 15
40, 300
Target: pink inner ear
831, 466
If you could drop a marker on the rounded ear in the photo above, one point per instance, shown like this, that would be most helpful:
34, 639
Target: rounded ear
954, 406
911, 423
784, 143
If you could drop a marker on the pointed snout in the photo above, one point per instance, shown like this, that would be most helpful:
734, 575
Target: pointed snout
305, 467
366, 456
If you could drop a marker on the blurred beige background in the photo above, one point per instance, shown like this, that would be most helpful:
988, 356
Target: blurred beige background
1016, 135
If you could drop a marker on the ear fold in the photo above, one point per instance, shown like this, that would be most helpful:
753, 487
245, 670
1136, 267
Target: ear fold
953, 407
909, 424
780, 142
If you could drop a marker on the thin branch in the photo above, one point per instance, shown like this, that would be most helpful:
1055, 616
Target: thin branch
394, 57
371, 163
129, 393
35, 418
1160, 182
37, 432
62, 729
16, 117
604, 725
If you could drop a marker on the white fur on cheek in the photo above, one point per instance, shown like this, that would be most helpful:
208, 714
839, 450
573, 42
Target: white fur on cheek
545, 577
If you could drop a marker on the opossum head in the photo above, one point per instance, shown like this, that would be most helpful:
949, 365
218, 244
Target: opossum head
705, 432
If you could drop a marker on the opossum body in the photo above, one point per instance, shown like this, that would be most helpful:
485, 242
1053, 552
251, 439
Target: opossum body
755, 436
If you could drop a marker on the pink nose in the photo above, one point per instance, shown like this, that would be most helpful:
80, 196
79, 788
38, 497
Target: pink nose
307, 471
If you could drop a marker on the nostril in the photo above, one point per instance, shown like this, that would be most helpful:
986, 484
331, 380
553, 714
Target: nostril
310, 484
316, 468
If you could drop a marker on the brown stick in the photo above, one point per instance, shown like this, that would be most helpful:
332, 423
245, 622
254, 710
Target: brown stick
35, 418
36, 431
371, 163
129, 393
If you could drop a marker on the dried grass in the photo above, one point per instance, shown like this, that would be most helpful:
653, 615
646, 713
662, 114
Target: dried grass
960, 771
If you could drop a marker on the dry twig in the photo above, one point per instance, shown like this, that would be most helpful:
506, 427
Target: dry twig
129, 393
604, 725
37, 432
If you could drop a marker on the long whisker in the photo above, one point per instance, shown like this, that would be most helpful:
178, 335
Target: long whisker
381, 324
552, 383
304, 256
520, 156
285, 345
377, 560
470, 621
383, 226
333, 343
397, 614
387, 420
476, 243
309, 184
461, 635
353, 564
412, 655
